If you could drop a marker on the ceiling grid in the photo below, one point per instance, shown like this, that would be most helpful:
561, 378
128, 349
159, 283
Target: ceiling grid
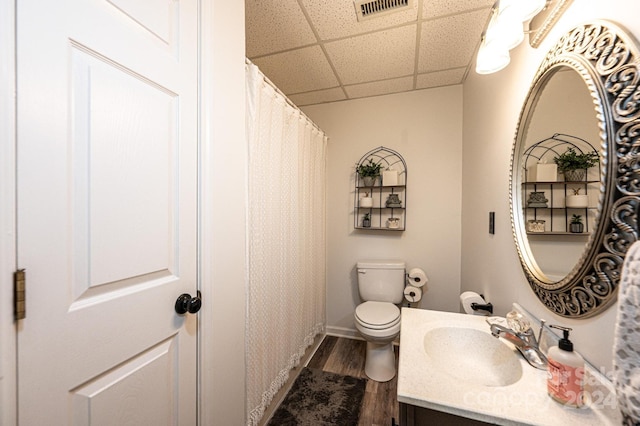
317, 51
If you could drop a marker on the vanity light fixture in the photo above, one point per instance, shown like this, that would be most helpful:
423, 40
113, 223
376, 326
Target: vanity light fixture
493, 56
525, 9
504, 32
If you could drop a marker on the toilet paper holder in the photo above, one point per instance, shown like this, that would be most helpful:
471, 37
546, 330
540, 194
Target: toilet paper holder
482, 306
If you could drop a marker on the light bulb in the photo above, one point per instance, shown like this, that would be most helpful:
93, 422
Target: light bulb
507, 28
524, 9
492, 57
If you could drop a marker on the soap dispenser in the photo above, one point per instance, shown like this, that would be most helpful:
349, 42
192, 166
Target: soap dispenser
565, 372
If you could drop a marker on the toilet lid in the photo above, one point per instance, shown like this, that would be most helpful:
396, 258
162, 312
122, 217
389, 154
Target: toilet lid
377, 314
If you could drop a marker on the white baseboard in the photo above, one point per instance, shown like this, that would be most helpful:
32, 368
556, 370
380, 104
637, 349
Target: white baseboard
350, 333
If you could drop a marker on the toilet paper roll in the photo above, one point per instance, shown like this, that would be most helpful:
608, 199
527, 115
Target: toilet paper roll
417, 277
469, 297
412, 294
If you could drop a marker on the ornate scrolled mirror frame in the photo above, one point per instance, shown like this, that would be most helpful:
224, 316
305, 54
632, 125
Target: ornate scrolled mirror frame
608, 61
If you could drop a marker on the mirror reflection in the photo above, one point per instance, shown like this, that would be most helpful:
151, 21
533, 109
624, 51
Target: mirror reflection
563, 118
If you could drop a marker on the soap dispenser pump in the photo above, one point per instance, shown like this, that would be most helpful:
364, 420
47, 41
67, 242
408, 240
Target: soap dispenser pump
565, 372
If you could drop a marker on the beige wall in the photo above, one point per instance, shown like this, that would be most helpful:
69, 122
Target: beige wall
491, 108
425, 127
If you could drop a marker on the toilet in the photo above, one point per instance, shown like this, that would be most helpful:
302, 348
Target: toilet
381, 284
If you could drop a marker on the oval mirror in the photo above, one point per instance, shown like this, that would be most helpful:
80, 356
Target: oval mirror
563, 118
572, 233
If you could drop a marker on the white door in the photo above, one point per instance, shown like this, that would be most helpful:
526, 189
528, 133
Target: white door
107, 147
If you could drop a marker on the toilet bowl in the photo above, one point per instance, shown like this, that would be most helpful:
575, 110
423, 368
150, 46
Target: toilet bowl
380, 285
379, 325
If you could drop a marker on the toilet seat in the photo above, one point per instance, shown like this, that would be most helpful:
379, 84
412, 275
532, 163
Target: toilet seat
379, 324
377, 315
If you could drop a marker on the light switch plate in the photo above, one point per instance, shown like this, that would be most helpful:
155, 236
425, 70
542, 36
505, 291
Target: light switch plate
492, 223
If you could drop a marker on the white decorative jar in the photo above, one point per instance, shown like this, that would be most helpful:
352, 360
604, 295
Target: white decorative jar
535, 225
389, 177
366, 202
542, 172
577, 201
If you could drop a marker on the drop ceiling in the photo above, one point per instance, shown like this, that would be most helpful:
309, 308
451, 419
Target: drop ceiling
317, 51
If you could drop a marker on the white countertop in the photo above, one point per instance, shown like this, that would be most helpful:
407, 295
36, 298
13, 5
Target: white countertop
524, 402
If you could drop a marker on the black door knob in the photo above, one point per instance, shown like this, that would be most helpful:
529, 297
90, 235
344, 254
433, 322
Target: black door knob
185, 303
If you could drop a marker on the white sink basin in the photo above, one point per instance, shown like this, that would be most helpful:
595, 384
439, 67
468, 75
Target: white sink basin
451, 363
472, 355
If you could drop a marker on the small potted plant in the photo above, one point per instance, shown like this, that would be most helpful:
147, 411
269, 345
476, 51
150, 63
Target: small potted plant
574, 166
369, 172
576, 226
577, 200
366, 220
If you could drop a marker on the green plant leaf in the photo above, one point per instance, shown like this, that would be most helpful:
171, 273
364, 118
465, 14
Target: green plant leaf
369, 169
571, 160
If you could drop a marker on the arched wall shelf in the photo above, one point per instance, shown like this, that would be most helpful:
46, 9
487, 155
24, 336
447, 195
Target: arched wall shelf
556, 217
388, 209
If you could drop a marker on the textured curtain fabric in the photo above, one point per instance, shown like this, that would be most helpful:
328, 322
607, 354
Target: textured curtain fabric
626, 343
286, 240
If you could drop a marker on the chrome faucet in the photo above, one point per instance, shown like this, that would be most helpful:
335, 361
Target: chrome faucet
525, 342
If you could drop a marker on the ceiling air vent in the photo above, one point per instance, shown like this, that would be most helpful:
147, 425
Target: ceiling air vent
367, 9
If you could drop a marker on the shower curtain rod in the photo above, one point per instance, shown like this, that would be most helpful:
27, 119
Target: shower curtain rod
286, 98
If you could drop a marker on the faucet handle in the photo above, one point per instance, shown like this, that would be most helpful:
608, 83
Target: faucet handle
517, 322
542, 323
496, 320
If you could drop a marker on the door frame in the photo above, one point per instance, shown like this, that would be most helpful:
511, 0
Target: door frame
223, 161
8, 376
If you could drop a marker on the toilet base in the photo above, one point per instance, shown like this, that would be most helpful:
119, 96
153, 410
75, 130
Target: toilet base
380, 362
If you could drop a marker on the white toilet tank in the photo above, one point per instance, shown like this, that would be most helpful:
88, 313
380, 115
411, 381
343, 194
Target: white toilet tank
381, 280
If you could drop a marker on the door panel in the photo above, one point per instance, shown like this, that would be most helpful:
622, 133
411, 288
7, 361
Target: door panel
141, 391
158, 17
107, 181
124, 148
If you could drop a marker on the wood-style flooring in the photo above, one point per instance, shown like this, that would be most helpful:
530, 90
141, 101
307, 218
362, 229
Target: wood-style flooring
346, 356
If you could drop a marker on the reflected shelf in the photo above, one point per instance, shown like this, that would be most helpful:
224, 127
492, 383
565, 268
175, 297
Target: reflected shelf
381, 186
561, 182
376, 228
560, 208
381, 208
577, 234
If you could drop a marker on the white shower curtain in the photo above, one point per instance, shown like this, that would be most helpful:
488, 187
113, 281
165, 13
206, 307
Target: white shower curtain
286, 239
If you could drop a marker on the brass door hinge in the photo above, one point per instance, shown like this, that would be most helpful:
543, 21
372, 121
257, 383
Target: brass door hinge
19, 293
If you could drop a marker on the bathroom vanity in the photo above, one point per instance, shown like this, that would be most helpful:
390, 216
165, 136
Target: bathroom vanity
453, 371
411, 415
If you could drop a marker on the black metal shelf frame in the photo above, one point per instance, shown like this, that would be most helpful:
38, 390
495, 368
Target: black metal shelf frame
545, 150
389, 159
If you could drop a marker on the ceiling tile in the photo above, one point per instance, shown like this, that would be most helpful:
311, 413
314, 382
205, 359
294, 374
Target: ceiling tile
380, 87
376, 56
274, 26
300, 70
318, 97
316, 51
450, 42
440, 78
435, 8
337, 18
